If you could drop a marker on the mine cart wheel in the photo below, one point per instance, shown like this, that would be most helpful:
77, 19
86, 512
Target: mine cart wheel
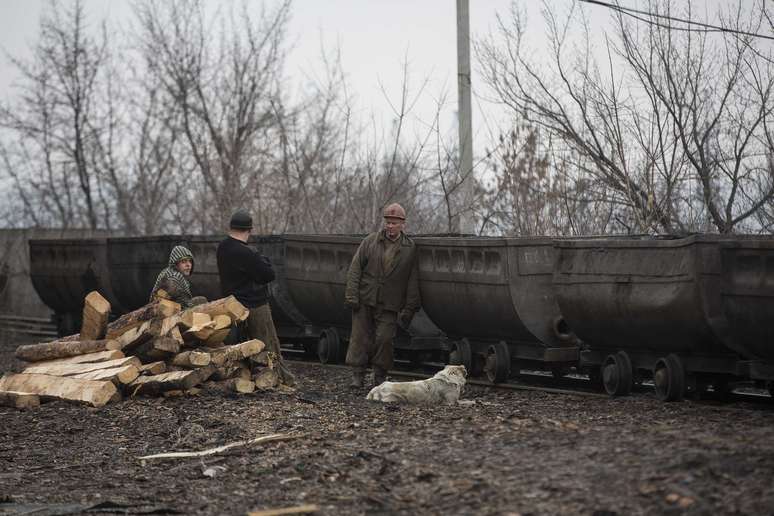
462, 354
562, 330
498, 362
595, 377
330, 349
617, 374
669, 378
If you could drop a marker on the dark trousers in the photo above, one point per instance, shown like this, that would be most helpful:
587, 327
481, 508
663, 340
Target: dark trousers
373, 330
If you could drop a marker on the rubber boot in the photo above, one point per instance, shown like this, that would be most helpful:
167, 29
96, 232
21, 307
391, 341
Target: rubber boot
380, 376
358, 376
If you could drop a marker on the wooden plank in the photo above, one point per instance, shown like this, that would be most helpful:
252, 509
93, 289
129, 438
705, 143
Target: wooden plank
266, 379
73, 369
118, 375
96, 310
19, 400
63, 349
91, 392
100, 356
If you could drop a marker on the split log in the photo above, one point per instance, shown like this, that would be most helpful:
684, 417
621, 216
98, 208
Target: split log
62, 349
225, 306
73, 369
192, 359
200, 333
156, 310
240, 385
159, 348
232, 370
261, 359
175, 334
191, 319
193, 391
19, 400
221, 330
100, 356
266, 379
91, 392
153, 368
96, 310
136, 337
174, 380
239, 351
163, 327
118, 375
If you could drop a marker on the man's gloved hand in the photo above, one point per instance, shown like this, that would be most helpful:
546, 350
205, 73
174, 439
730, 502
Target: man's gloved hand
404, 319
352, 305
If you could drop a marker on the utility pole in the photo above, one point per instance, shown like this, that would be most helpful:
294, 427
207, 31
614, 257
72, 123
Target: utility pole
464, 117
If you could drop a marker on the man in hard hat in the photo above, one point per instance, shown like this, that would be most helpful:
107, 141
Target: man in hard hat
382, 291
246, 274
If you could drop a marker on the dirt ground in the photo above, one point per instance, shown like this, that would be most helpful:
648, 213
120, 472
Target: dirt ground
511, 452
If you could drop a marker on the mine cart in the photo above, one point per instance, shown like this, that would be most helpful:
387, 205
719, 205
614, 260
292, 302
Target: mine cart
63, 271
316, 269
686, 312
494, 298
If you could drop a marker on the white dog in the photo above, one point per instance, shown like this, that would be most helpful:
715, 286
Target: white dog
445, 387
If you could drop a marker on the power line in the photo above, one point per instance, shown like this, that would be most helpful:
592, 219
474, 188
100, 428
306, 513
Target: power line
628, 11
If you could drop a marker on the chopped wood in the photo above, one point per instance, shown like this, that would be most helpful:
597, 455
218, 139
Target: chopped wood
94, 393
224, 306
118, 375
153, 368
96, 310
62, 349
19, 400
239, 351
299, 509
159, 348
221, 330
137, 336
266, 379
175, 334
192, 359
193, 319
240, 385
220, 449
163, 327
261, 358
158, 309
100, 356
232, 370
73, 369
173, 380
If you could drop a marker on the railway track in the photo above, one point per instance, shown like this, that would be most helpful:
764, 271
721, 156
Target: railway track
747, 399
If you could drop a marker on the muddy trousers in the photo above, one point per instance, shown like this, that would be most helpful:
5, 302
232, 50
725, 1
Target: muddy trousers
260, 325
373, 330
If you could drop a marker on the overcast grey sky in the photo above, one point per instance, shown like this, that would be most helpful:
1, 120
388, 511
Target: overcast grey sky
375, 36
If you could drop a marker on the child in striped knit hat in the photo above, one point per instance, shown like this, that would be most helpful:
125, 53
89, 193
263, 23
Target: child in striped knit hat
173, 279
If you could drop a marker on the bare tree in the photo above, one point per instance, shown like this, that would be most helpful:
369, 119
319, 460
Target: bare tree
224, 88
51, 127
673, 132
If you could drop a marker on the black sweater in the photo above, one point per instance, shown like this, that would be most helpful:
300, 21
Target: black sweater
244, 273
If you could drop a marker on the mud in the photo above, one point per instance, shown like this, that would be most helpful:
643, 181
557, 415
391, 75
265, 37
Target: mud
509, 452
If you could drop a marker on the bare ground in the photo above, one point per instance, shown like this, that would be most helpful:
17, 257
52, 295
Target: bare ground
511, 452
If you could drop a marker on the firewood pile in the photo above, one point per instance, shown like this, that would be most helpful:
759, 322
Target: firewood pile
157, 350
